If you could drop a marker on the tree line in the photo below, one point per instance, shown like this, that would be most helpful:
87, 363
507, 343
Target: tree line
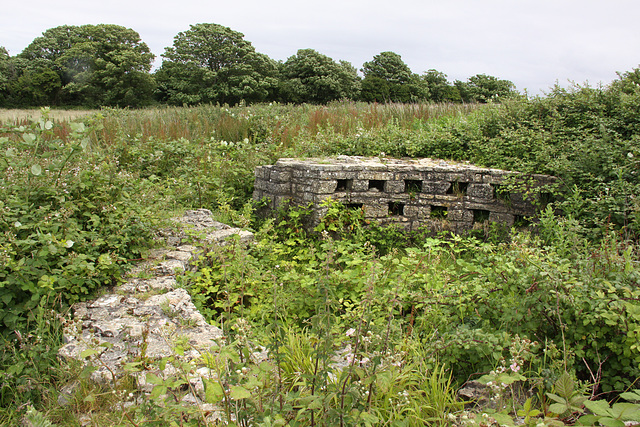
109, 65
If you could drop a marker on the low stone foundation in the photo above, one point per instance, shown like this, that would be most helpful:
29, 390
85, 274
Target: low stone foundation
409, 193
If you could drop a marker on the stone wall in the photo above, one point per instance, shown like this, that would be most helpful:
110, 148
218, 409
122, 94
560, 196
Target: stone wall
410, 193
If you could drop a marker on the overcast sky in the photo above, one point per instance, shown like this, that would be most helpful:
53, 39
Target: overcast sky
532, 43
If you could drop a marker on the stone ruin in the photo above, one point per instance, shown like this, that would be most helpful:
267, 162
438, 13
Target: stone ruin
442, 195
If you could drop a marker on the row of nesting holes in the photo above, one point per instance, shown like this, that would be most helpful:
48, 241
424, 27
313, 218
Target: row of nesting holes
410, 186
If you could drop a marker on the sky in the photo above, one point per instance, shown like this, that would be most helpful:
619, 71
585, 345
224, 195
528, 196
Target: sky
534, 44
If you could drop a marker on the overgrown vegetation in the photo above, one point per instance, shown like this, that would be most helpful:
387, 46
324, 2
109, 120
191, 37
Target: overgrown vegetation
363, 325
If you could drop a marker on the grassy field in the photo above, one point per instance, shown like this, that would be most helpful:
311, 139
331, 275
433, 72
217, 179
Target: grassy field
21, 117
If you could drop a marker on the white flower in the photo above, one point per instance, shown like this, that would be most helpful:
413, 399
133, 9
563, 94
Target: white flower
351, 332
17, 224
69, 243
515, 367
630, 155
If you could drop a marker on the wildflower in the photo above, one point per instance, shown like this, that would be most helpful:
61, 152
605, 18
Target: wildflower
515, 367
351, 332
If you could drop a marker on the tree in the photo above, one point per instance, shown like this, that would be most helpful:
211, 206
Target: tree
483, 88
388, 78
312, 77
97, 64
440, 90
388, 66
212, 63
628, 82
4, 78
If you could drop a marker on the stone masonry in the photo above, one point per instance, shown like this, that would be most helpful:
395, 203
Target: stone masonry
142, 318
441, 194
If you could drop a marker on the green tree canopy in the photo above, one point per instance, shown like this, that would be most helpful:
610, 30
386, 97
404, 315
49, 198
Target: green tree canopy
484, 88
97, 64
212, 63
440, 90
628, 82
388, 66
4, 78
312, 77
388, 78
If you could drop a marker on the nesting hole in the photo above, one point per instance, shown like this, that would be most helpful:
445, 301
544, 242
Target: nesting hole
458, 188
480, 215
376, 184
521, 221
344, 185
438, 212
396, 209
412, 186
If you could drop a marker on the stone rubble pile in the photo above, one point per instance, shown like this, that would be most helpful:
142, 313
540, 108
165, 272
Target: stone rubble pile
143, 317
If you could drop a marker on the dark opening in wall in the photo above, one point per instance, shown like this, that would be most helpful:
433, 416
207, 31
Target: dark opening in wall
353, 206
480, 215
458, 188
521, 221
545, 199
412, 186
344, 185
376, 184
396, 209
438, 212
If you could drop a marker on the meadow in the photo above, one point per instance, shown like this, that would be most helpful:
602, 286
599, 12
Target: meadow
547, 315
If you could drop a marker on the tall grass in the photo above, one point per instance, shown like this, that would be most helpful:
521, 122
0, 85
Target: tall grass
22, 117
272, 123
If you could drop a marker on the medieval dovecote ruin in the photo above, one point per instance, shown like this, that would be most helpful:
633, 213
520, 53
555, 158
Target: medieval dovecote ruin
409, 193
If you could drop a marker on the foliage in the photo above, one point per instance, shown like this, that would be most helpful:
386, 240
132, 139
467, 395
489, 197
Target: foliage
210, 63
29, 363
312, 77
66, 228
96, 65
440, 90
484, 88
388, 79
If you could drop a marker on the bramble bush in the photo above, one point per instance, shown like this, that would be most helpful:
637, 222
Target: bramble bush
67, 225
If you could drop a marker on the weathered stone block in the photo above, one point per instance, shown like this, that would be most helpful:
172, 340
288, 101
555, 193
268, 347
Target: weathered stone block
460, 215
278, 188
481, 192
417, 212
394, 187
503, 218
278, 175
379, 176
324, 187
261, 185
359, 185
435, 187
376, 211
